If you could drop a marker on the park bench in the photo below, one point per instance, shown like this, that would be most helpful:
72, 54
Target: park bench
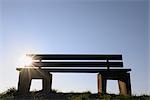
107, 67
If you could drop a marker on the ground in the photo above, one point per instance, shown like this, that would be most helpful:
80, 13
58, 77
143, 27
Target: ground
11, 94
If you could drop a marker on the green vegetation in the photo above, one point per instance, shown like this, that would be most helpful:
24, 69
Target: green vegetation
10, 95
82, 96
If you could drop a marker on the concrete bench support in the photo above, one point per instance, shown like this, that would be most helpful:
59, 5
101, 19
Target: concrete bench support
26, 76
123, 82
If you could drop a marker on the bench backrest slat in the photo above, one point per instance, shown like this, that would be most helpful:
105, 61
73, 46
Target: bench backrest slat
75, 57
78, 64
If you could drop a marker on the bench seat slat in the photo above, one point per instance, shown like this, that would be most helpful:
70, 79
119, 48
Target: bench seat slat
77, 64
83, 70
75, 56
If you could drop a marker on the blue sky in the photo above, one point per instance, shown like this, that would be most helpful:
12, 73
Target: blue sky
75, 26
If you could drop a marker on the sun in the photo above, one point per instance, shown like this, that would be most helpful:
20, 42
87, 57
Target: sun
25, 61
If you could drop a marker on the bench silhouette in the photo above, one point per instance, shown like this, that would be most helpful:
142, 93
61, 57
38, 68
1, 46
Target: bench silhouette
106, 67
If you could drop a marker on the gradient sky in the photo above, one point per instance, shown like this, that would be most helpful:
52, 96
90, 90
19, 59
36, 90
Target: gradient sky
75, 26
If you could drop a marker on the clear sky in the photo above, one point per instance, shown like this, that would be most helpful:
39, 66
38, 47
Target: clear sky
75, 26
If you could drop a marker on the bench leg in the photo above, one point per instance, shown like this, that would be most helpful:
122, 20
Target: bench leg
47, 83
125, 85
128, 82
101, 83
24, 82
122, 87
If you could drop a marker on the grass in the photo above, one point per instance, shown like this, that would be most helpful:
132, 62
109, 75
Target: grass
10, 95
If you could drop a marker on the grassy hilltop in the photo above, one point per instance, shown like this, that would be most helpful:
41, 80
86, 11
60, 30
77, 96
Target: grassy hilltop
11, 94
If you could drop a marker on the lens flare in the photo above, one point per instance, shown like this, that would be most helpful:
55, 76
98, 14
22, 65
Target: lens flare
25, 61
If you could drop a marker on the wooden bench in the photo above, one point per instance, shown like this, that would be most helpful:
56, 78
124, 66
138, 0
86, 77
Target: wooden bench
107, 67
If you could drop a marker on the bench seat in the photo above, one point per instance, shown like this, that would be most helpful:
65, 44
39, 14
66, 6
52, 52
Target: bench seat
77, 70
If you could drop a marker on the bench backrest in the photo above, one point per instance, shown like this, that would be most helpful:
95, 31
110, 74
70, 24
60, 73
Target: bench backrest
76, 60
